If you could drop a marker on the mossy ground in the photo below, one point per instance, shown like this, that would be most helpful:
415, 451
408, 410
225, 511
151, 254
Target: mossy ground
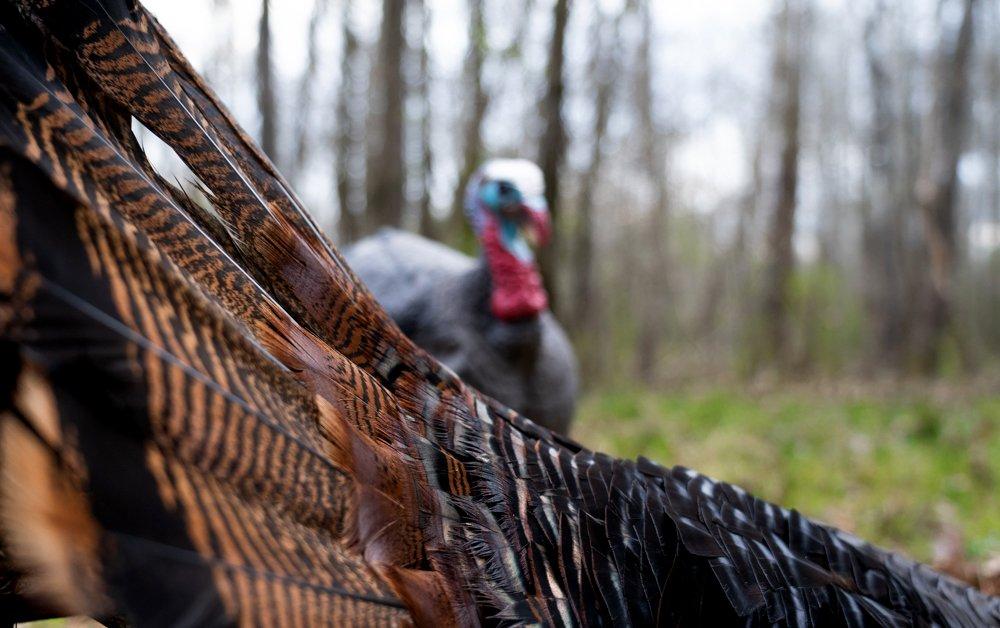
901, 469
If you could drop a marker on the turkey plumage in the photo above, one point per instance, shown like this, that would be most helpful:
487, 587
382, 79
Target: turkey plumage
206, 419
440, 299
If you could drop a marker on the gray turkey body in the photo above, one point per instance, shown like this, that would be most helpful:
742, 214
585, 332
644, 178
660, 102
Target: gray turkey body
439, 297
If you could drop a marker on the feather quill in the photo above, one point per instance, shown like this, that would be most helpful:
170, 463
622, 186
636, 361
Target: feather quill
233, 431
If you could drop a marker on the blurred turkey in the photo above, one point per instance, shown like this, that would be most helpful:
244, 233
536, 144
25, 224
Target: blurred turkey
486, 319
205, 418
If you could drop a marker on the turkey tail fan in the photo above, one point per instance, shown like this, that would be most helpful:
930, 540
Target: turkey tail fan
135, 390
184, 378
206, 419
126, 55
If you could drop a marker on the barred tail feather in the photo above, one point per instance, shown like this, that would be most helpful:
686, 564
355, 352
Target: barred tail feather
206, 419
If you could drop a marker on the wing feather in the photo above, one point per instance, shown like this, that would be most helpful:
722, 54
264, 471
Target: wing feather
230, 428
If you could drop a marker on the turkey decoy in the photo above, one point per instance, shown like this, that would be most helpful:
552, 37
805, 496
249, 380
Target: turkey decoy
207, 419
486, 319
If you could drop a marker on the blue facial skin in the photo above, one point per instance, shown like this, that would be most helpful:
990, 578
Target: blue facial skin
514, 241
497, 195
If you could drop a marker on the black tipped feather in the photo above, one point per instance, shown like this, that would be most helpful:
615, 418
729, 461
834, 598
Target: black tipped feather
206, 419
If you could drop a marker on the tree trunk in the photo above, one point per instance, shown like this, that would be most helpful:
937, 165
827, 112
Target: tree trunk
477, 101
912, 253
938, 188
304, 130
656, 271
266, 104
553, 143
742, 276
385, 174
994, 91
990, 300
425, 221
587, 309
718, 270
781, 256
882, 237
350, 225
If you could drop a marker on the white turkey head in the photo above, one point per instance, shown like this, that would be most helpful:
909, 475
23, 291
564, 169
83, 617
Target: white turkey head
505, 203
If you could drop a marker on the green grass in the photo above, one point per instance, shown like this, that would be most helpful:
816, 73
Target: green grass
896, 469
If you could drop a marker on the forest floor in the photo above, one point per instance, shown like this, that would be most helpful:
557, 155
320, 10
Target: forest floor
915, 468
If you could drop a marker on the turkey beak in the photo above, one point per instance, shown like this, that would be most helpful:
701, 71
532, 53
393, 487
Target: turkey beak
538, 228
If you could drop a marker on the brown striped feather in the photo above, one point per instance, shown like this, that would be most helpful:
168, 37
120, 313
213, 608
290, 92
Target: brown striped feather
221, 426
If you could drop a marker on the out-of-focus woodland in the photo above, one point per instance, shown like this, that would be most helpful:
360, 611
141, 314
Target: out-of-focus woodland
815, 191
743, 192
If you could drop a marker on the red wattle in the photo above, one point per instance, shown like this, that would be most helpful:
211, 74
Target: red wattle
543, 227
517, 291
